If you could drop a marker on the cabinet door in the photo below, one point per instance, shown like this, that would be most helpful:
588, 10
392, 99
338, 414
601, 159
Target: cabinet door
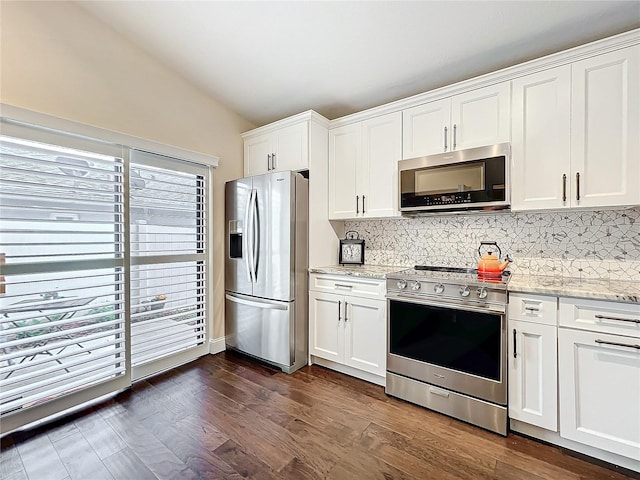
600, 391
426, 129
481, 117
365, 335
256, 154
326, 329
533, 390
541, 146
291, 148
345, 145
378, 172
605, 126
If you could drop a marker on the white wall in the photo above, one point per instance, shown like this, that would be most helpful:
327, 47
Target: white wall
57, 59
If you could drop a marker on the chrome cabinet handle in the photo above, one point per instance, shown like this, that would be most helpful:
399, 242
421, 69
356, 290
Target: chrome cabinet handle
532, 309
269, 162
578, 186
342, 285
339, 307
445, 139
604, 317
515, 354
273, 161
564, 187
345, 311
363, 212
455, 129
616, 344
357, 204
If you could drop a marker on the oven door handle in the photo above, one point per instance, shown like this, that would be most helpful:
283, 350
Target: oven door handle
500, 310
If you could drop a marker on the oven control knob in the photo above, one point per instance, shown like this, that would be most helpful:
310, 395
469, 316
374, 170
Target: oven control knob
402, 284
482, 292
439, 288
464, 291
415, 285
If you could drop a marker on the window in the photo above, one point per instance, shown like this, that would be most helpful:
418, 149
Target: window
168, 259
103, 268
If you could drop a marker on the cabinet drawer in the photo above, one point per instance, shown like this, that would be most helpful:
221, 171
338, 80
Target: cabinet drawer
533, 308
356, 286
600, 316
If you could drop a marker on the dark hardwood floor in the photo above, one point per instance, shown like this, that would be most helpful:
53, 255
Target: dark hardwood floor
228, 417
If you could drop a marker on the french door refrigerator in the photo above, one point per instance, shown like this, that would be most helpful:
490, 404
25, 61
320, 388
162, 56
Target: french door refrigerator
266, 268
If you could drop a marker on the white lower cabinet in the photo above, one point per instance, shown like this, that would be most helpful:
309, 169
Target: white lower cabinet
600, 390
533, 378
348, 329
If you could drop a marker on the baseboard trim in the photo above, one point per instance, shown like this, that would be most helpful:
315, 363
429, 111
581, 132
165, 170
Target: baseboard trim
354, 372
217, 345
586, 450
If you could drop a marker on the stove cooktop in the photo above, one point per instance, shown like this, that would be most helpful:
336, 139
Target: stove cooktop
467, 276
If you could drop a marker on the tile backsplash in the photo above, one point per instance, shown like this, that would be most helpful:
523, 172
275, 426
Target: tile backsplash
582, 244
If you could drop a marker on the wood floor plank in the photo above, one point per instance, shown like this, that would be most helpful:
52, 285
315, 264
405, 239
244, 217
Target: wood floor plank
193, 441
244, 463
228, 417
153, 453
61, 431
242, 431
11, 463
313, 453
40, 459
296, 469
102, 438
125, 465
79, 458
407, 454
282, 409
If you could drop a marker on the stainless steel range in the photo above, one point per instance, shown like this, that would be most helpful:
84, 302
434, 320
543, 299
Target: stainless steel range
447, 343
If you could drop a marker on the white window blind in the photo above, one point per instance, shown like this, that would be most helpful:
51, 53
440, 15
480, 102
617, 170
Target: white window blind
62, 295
168, 220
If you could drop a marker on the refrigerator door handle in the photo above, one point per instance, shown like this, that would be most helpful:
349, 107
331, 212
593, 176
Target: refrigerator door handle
250, 303
245, 238
255, 234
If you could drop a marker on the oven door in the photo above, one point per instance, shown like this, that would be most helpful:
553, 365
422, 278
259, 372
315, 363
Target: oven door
460, 348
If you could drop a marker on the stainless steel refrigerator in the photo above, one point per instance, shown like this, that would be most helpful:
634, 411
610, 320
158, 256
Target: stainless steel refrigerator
266, 268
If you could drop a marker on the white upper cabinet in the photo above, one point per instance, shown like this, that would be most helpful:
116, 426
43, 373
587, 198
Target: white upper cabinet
575, 134
363, 173
541, 146
279, 149
605, 130
425, 129
257, 154
472, 119
481, 117
345, 147
381, 150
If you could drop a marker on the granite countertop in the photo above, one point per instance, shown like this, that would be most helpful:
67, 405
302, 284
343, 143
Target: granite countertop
368, 271
616, 290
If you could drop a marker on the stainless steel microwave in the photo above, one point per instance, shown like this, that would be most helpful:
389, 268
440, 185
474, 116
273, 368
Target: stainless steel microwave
472, 179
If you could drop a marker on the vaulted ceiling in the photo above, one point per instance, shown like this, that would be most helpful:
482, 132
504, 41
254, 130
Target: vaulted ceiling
270, 59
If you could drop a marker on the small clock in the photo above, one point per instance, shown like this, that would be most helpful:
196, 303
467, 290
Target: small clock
351, 249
